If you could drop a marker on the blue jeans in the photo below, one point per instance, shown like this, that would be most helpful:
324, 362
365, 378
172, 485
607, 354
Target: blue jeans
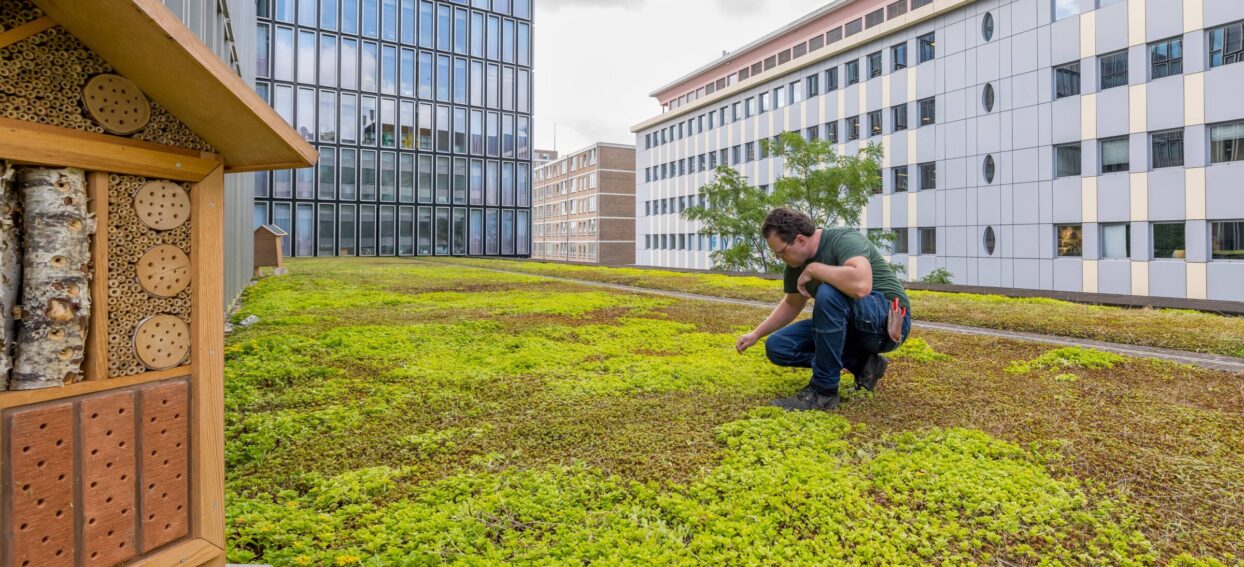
842, 333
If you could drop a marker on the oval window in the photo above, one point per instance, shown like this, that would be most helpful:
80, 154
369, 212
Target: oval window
987, 26
988, 97
989, 169
990, 240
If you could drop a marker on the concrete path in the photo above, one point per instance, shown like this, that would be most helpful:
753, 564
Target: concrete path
1210, 361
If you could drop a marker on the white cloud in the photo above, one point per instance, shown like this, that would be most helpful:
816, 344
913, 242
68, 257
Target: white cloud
597, 60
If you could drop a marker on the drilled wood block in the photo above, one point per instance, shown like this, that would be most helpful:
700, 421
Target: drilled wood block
164, 487
109, 478
41, 460
116, 103
162, 205
162, 341
164, 271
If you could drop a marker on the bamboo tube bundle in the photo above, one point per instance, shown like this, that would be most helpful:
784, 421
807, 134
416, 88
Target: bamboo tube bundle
56, 301
10, 269
130, 303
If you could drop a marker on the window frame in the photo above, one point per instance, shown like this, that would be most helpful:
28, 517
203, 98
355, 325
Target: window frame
1077, 228
1079, 160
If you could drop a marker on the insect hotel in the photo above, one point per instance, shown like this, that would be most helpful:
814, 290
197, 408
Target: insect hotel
117, 127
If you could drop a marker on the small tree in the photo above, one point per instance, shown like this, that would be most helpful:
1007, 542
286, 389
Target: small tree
828, 187
736, 209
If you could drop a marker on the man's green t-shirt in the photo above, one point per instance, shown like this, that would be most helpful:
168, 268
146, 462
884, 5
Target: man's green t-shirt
841, 244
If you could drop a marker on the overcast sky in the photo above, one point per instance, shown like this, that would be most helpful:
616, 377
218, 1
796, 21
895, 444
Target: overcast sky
597, 60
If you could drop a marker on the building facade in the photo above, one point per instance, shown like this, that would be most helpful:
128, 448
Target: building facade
542, 157
585, 206
225, 28
1069, 145
421, 112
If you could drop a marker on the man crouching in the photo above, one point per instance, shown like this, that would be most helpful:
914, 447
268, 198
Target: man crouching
862, 313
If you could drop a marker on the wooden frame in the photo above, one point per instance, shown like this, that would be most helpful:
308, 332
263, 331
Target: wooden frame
52, 146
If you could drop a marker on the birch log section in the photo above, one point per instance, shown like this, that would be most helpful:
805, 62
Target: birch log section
10, 268
56, 299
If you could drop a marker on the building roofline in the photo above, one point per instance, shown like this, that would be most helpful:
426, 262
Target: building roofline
732, 55
568, 155
911, 18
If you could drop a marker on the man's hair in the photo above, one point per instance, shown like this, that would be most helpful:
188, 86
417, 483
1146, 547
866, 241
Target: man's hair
787, 224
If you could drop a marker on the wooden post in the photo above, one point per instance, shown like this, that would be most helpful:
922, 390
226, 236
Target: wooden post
207, 358
97, 336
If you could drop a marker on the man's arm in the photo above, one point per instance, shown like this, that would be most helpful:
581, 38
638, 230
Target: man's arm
854, 277
786, 311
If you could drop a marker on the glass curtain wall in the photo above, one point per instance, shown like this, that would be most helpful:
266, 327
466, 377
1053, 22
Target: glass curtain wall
421, 112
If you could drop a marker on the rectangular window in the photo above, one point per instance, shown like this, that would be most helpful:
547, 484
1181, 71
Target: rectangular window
898, 56
283, 54
368, 119
1066, 8
327, 184
423, 232
367, 230
305, 116
442, 231
1067, 80
306, 57
1067, 160
460, 130
388, 230
1168, 241
1226, 142
853, 72
369, 67
328, 116
304, 230
813, 86
874, 64
928, 176
444, 82
928, 240
900, 179
927, 44
425, 136
1114, 155
928, 111
459, 231
1113, 70
831, 80
1166, 58
367, 175
326, 244
831, 132
388, 123
901, 244
346, 226
1226, 45
406, 125
477, 232
900, 117
492, 240
304, 183
349, 174
1070, 240
853, 128
1168, 149
282, 216
405, 231
443, 187
460, 181
1116, 241
425, 73
408, 22
442, 129
425, 179
388, 177
1227, 239
406, 178
875, 127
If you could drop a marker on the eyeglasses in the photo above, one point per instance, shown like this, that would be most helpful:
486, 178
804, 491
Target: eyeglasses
783, 250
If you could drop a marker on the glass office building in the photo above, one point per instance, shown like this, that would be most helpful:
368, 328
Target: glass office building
421, 112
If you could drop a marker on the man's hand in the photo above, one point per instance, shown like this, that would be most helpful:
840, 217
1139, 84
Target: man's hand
802, 284
746, 341
894, 323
